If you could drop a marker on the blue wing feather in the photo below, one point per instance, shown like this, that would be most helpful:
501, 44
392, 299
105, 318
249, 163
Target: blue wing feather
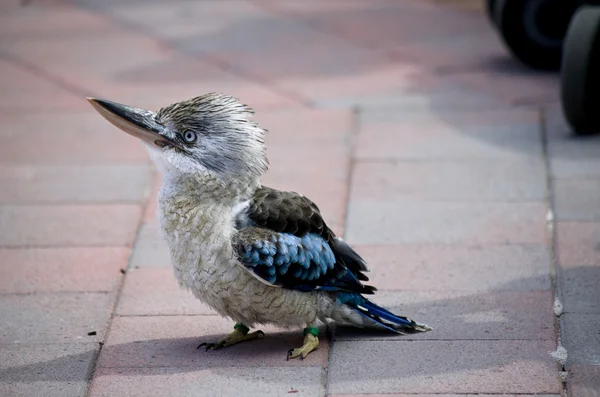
303, 263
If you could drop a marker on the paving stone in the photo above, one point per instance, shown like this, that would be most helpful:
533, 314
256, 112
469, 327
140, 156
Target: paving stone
582, 338
407, 99
155, 292
578, 252
507, 315
81, 225
42, 20
458, 54
505, 87
426, 267
131, 68
23, 90
91, 269
579, 288
66, 138
576, 199
415, 221
583, 381
571, 155
329, 191
386, 23
575, 167
254, 45
443, 367
578, 243
59, 184
464, 181
304, 143
46, 369
180, 21
171, 341
150, 250
435, 395
448, 135
54, 318
218, 381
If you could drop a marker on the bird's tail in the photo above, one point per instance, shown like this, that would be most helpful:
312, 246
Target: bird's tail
384, 317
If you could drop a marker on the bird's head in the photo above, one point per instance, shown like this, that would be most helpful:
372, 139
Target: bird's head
210, 135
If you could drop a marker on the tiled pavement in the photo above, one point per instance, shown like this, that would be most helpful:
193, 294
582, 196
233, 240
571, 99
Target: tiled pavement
445, 163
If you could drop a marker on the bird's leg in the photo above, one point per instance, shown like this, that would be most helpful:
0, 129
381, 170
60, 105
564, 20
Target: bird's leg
311, 342
239, 334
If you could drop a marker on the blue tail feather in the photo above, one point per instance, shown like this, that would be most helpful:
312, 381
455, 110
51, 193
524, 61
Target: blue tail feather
385, 314
379, 315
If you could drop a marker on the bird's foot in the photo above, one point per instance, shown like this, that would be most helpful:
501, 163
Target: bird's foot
239, 334
311, 342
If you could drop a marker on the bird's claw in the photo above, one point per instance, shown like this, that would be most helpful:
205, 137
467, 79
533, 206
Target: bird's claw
213, 346
232, 339
292, 354
311, 342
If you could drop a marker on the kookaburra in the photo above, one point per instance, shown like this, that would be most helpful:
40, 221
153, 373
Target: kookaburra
252, 253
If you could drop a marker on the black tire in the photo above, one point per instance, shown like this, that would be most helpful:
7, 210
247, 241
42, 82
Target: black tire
580, 75
489, 10
533, 30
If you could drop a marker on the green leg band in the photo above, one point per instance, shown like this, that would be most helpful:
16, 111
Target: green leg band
242, 328
311, 330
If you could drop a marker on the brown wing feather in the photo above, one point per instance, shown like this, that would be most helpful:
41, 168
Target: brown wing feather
290, 212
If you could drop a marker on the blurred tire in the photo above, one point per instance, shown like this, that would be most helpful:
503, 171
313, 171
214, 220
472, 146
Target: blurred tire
580, 75
533, 30
489, 10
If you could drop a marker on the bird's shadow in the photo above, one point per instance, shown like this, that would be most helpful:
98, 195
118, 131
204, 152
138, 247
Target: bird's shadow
469, 315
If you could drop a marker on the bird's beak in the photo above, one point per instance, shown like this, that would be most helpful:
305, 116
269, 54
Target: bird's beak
137, 122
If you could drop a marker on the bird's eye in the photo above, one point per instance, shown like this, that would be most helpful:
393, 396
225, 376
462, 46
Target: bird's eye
190, 137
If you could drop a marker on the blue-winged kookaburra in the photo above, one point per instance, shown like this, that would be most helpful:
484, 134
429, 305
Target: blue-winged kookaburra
250, 252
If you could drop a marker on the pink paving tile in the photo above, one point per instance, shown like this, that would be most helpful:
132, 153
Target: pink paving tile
42, 20
454, 267
328, 191
583, 381
84, 225
212, 382
385, 23
457, 54
578, 243
66, 138
150, 249
581, 337
578, 252
55, 317
385, 82
44, 369
181, 20
576, 199
436, 395
304, 143
60, 184
435, 222
444, 367
508, 87
10, 5
449, 135
171, 341
61, 269
509, 315
27, 90
137, 70
156, 292
447, 180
